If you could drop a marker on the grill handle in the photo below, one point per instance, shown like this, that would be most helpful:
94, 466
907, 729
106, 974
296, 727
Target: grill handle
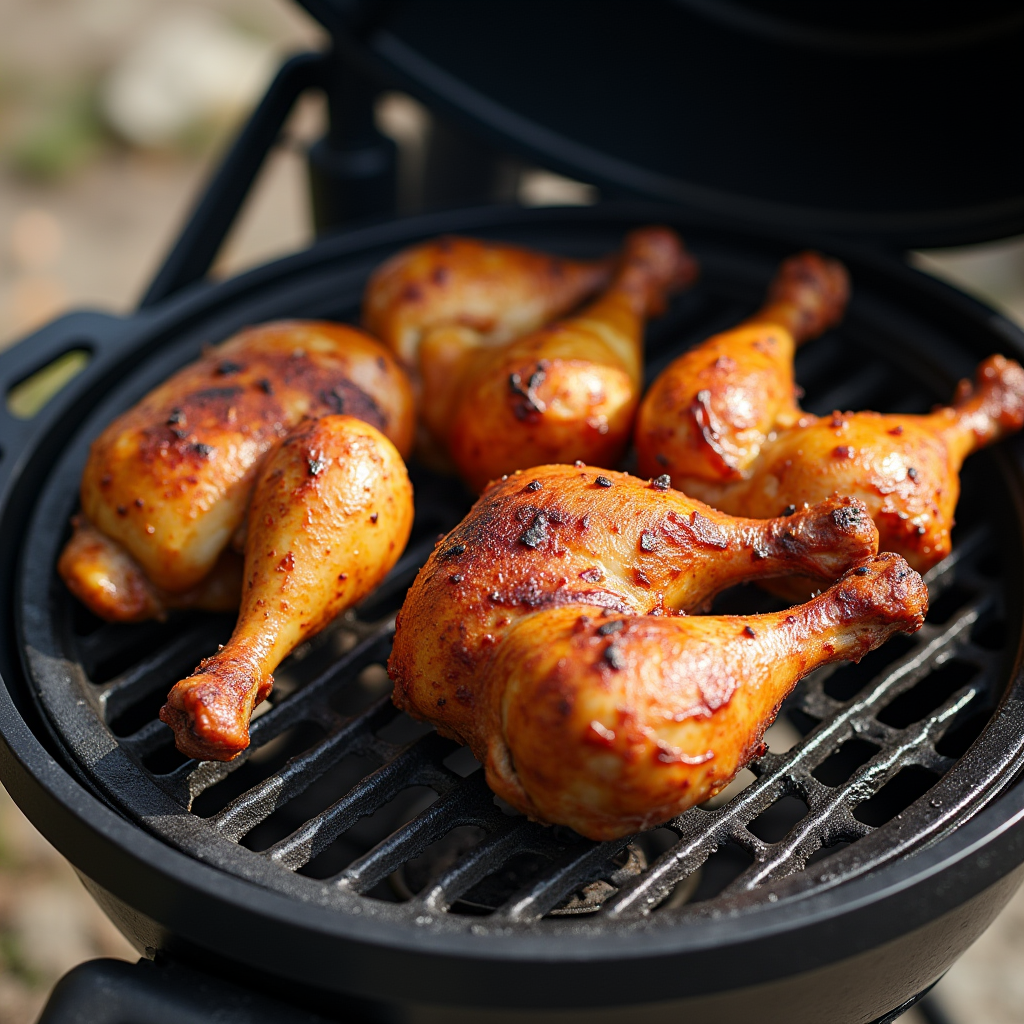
117, 992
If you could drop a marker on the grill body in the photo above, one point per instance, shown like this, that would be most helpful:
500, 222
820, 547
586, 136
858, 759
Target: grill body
887, 902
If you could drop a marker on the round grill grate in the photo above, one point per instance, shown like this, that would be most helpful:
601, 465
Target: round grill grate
344, 802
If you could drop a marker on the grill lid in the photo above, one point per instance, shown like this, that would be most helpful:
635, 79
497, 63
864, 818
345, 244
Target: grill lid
893, 127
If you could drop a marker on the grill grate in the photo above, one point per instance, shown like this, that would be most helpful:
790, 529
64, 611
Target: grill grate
343, 801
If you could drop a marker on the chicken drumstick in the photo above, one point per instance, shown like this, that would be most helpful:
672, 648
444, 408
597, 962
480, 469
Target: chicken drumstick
598, 542
615, 724
492, 291
723, 421
495, 402
330, 515
710, 411
167, 484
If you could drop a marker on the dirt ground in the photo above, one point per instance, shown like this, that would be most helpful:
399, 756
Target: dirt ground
86, 212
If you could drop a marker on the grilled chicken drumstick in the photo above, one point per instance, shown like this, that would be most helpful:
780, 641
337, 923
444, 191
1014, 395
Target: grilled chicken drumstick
494, 292
495, 402
167, 484
712, 409
723, 421
330, 515
605, 546
615, 724
453, 295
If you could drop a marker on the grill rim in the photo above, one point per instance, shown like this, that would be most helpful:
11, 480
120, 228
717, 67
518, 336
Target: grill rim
180, 894
62, 795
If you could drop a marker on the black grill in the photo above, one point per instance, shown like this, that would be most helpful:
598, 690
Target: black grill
342, 802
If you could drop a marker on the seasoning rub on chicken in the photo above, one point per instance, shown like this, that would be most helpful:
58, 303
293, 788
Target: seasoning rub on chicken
330, 515
166, 488
542, 632
501, 391
723, 421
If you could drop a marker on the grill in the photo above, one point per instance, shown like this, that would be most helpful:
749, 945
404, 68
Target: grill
344, 806
330, 803
353, 863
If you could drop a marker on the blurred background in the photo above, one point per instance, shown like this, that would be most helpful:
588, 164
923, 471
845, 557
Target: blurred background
112, 113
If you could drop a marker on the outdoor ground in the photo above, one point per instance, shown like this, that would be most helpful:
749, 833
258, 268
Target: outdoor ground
88, 205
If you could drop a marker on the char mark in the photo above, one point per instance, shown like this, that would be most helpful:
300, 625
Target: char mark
345, 398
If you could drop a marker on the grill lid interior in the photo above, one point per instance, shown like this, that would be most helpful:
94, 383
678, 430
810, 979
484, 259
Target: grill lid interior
715, 106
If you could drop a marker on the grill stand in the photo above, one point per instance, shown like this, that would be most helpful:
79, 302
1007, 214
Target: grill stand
115, 992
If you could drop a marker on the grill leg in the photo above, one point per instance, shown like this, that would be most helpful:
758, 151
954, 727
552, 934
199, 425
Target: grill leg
353, 168
116, 992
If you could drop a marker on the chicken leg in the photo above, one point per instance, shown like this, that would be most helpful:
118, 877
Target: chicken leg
904, 468
697, 423
433, 302
167, 484
564, 535
710, 411
613, 724
493, 291
105, 578
494, 402
330, 515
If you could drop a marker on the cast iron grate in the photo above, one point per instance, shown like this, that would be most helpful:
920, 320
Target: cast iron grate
343, 801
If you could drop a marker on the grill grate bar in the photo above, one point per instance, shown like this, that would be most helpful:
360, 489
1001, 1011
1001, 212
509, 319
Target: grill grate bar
781, 774
153, 672
152, 736
112, 641
518, 836
942, 576
791, 853
417, 764
574, 870
307, 704
470, 803
255, 805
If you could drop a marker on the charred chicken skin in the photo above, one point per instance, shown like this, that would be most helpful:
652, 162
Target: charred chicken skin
495, 399
650, 716
330, 515
167, 484
493, 292
724, 422
562, 552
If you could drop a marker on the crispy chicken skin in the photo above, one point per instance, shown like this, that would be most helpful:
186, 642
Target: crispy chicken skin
168, 482
452, 295
723, 421
597, 541
494, 399
331, 513
614, 723
711, 410
495, 292
103, 576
